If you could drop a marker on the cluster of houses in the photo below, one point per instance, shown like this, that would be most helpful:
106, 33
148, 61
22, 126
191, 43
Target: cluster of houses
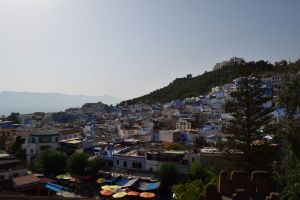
132, 138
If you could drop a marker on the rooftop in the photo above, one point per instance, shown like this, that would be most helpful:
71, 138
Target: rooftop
133, 153
72, 141
44, 132
25, 180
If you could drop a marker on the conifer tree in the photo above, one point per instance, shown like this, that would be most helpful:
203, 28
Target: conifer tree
250, 109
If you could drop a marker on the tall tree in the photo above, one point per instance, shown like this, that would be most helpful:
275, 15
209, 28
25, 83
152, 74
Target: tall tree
94, 165
251, 121
168, 174
16, 148
288, 169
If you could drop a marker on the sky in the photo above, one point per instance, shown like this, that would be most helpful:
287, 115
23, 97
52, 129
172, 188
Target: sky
128, 48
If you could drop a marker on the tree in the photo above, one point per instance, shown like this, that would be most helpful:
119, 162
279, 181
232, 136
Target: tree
194, 190
189, 76
168, 174
289, 97
251, 122
2, 142
200, 142
198, 172
77, 164
50, 163
288, 169
175, 146
16, 148
36, 166
53, 162
14, 117
94, 165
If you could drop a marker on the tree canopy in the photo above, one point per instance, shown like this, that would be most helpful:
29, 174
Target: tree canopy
194, 190
94, 165
16, 148
168, 174
288, 168
250, 123
198, 172
50, 163
14, 117
77, 164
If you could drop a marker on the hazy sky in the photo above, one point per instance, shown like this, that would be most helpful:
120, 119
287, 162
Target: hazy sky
127, 48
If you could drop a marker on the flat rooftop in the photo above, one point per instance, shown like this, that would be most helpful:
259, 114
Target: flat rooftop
44, 132
72, 141
132, 153
174, 152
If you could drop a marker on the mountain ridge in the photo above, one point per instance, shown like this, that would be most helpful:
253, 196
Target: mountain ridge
189, 86
28, 102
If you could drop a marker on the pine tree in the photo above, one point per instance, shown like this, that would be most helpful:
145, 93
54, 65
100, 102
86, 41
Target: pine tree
288, 167
250, 123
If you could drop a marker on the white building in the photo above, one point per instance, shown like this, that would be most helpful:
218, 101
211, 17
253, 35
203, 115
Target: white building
40, 141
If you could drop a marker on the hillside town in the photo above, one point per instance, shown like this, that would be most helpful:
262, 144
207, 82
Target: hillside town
133, 141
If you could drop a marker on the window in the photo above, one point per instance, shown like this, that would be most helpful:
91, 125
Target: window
136, 165
44, 148
125, 164
31, 150
118, 162
16, 174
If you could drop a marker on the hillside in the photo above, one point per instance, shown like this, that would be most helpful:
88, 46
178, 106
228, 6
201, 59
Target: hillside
182, 88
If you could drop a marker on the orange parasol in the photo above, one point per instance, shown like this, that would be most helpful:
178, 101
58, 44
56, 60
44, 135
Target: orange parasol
106, 192
147, 195
133, 193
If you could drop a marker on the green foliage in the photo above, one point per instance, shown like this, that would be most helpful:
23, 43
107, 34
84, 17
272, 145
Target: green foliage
14, 117
200, 142
77, 164
50, 163
94, 165
251, 122
2, 142
168, 174
182, 88
288, 175
288, 169
37, 166
289, 97
199, 178
53, 162
175, 146
194, 190
198, 172
16, 148
189, 76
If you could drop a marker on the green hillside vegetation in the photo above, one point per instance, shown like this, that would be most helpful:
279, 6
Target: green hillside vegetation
189, 86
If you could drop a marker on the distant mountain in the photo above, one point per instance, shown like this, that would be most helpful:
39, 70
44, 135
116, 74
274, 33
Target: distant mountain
190, 86
28, 102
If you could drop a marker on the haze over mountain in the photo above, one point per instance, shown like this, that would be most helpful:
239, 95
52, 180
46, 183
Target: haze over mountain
28, 102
